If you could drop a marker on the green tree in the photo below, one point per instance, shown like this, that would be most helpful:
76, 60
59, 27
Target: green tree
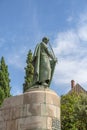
29, 70
2, 95
74, 112
81, 113
4, 80
68, 102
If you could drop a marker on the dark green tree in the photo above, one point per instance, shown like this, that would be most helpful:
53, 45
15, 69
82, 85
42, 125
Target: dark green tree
2, 95
29, 70
4, 80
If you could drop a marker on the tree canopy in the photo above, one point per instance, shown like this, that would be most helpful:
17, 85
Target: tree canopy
29, 70
4, 80
74, 112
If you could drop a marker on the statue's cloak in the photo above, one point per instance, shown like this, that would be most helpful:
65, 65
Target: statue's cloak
36, 63
41, 61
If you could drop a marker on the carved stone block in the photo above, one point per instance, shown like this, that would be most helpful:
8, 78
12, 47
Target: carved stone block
37, 109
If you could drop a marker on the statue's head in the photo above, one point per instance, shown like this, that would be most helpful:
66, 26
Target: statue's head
45, 40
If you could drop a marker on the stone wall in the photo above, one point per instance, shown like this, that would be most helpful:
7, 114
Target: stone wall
37, 109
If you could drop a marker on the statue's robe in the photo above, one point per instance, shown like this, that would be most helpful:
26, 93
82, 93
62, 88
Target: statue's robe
41, 60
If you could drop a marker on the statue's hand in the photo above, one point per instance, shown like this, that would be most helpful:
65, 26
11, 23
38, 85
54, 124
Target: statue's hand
55, 60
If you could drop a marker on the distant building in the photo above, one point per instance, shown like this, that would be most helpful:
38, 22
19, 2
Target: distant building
77, 88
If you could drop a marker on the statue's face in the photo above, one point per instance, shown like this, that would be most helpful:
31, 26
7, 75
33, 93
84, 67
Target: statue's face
46, 41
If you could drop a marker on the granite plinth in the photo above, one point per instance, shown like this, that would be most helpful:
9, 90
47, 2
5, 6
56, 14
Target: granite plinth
37, 109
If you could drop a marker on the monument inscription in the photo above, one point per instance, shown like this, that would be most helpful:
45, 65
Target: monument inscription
55, 124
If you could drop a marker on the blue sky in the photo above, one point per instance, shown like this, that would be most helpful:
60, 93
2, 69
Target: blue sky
23, 23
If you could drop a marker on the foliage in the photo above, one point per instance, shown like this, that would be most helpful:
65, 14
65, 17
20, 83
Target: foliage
29, 70
67, 111
2, 95
4, 80
74, 112
81, 113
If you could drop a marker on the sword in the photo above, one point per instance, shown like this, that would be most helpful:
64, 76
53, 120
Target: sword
53, 65
52, 52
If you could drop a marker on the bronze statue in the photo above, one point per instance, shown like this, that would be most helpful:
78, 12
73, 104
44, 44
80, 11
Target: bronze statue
44, 63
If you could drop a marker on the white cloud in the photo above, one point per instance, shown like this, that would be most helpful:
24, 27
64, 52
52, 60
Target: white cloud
72, 54
82, 32
82, 26
71, 69
16, 58
66, 41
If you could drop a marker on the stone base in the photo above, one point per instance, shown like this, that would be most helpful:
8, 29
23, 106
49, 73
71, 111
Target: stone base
37, 109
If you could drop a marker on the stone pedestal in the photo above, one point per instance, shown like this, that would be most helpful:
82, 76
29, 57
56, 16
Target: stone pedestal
37, 109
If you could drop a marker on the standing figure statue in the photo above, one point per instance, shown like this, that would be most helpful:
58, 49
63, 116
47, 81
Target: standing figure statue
44, 62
